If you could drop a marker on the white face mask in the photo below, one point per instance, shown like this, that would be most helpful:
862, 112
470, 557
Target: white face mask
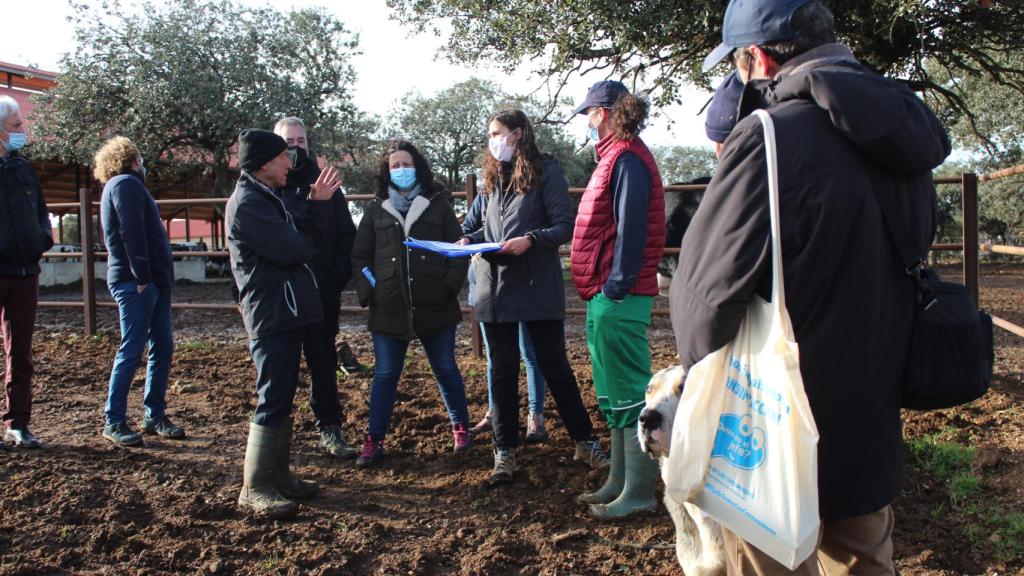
501, 149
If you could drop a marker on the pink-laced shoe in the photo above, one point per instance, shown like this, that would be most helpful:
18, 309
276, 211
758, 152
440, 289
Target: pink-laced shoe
371, 453
463, 439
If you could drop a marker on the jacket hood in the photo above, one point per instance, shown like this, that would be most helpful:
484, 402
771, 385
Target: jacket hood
883, 118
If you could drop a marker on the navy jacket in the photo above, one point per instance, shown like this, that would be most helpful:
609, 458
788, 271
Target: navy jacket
271, 253
24, 220
631, 201
135, 235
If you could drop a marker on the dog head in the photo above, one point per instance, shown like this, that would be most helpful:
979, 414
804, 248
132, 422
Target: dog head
655, 426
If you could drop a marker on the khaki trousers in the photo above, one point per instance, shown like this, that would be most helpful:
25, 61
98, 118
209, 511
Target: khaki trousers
858, 546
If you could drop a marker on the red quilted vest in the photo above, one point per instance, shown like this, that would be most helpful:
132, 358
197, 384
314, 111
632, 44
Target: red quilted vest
593, 239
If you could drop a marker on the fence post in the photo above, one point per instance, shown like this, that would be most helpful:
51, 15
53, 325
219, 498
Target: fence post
88, 258
478, 347
969, 183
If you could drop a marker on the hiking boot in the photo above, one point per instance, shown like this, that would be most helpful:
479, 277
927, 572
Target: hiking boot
258, 495
483, 426
535, 430
162, 426
372, 452
122, 435
504, 467
347, 360
463, 440
289, 485
589, 452
22, 438
334, 443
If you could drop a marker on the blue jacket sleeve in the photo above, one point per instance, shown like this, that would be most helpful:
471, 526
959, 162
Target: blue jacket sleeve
129, 201
262, 229
631, 199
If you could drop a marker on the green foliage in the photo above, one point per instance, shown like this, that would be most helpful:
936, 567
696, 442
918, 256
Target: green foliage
679, 164
662, 43
181, 79
940, 458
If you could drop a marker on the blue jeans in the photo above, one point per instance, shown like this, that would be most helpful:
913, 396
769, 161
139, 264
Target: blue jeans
145, 318
389, 359
535, 384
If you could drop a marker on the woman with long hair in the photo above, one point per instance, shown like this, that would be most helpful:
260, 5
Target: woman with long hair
411, 295
526, 207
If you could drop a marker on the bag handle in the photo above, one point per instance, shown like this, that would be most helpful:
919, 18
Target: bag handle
778, 282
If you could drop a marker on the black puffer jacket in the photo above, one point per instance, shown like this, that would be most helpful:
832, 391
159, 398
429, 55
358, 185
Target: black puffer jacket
844, 135
25, 231
529, 286
270, 260
417, 291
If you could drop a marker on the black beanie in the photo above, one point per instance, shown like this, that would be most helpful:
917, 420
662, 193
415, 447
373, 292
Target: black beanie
257, 147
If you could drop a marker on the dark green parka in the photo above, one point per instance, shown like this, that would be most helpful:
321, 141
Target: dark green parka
417, 291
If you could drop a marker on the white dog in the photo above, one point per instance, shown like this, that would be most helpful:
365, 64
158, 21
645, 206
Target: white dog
698, 538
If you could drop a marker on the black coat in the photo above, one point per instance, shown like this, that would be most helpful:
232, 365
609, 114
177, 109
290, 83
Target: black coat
529, 286
25, 231
417, 291
333, 261
271, 252
844, 135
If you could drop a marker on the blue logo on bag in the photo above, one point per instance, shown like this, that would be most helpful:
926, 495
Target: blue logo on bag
738, 442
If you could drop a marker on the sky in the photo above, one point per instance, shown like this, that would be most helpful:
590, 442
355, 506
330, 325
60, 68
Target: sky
37, 33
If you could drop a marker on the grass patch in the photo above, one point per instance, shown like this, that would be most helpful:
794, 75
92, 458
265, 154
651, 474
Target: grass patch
940, 458
193, 346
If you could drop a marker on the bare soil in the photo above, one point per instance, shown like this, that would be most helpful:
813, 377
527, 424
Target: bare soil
82, 506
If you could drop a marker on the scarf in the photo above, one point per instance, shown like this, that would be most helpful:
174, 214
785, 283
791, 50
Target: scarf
402, 200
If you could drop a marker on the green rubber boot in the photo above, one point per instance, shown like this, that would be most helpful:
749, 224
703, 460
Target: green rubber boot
288, 484
637, 497
259, 495
616, 475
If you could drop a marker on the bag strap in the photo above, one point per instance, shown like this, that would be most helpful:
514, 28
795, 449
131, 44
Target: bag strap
771, 152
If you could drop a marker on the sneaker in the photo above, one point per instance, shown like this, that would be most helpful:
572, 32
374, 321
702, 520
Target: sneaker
463, 440
535, 430
504, 467
334, 443
372, 452
589, 452
22, 438
483, 426
122, 435
162, 426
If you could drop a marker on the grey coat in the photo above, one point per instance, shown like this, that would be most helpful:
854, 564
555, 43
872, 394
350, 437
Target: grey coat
529, 286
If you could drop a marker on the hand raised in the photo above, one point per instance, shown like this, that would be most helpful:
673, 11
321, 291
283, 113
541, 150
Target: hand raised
325, 184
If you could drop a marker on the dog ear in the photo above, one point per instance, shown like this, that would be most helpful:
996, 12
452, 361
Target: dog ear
679, 375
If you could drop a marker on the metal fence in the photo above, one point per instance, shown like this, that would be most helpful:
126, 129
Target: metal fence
86, 207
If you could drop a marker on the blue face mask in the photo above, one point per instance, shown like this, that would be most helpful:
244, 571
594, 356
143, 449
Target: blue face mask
592, 134
404, 178
15, 140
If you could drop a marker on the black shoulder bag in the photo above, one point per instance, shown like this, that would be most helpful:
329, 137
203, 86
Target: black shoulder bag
951, 353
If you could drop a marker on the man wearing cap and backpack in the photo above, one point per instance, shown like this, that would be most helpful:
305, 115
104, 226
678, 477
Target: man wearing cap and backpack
846, 139
271, 251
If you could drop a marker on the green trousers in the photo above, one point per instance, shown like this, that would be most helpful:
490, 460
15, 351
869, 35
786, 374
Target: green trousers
620, 355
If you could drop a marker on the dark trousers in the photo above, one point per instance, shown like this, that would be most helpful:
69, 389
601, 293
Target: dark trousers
19, 296
322, 361
548, 338
277, 374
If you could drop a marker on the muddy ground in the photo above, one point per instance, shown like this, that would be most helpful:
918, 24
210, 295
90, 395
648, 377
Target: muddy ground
81, 506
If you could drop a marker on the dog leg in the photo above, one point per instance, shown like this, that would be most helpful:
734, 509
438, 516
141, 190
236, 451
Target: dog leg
688, 543
712, 555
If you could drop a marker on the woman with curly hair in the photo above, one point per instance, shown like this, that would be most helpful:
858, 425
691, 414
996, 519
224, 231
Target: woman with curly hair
526, 207
140, 276
411, 295
616, 246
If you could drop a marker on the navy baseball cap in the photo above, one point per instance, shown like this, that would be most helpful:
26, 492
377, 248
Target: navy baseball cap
753, 22
724, 107
603, 94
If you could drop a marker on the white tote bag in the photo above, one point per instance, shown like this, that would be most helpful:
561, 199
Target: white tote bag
744, 442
